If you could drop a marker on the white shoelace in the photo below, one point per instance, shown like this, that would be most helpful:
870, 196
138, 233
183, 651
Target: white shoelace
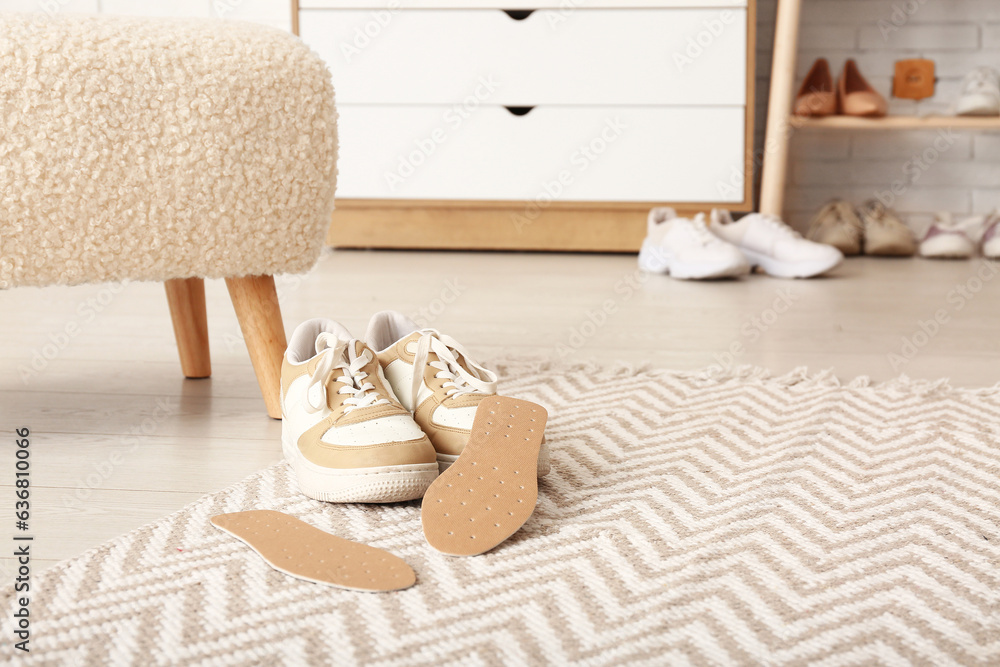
779, 225
336, 354
701, 231
459, 380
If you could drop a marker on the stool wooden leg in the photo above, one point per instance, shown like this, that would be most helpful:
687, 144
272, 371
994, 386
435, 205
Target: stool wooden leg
186, 298
256, 303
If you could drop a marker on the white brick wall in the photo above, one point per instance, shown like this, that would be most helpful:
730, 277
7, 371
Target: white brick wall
275, 13
958, 35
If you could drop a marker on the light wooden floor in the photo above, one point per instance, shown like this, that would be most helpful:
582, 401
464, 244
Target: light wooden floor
120, 439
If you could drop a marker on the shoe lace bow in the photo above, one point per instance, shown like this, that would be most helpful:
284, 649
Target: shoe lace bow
341, 355
701, 232
472, 378
779, 226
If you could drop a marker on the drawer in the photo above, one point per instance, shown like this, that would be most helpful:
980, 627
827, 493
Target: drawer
591, 56
611, 153
566, 6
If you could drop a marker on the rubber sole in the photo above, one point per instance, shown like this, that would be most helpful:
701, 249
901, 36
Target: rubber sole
386, 484
780, 269
977, 105
486, 495
660, 262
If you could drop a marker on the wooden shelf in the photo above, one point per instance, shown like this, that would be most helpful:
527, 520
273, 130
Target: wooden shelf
899, 122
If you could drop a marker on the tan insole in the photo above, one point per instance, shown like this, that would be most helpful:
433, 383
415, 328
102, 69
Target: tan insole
306, 552
491, 490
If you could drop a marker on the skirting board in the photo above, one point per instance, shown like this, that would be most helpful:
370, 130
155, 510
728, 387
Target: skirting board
584, 229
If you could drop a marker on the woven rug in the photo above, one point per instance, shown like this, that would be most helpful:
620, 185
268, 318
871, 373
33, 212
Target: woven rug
687, 520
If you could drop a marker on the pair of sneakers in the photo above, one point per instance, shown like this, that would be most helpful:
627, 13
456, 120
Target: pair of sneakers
376, 420
691, 249
948, 239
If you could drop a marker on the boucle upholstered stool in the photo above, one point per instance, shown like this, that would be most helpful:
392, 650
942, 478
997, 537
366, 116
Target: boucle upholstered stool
167, 150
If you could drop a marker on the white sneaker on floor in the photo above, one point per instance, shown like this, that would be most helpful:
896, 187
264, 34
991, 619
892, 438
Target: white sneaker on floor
980, 94
343, 431
685, 249
946, 239
436, 379
775, 247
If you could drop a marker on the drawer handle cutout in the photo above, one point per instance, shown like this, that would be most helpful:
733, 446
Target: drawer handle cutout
519, 14
519, 111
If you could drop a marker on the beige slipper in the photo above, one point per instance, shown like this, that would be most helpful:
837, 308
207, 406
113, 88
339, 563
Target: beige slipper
885, 234
837, 224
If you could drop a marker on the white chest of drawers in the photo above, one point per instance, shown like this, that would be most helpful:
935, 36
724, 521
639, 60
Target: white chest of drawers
466, 126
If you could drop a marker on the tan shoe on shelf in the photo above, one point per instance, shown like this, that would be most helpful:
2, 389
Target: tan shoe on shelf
856, 97
885, 234
816, 94
836, 224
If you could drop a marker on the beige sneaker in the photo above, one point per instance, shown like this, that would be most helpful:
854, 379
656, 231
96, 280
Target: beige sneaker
435, 378
837, 224
343, 432
885, 234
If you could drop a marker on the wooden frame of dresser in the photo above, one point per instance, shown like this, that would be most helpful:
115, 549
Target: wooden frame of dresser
458, 224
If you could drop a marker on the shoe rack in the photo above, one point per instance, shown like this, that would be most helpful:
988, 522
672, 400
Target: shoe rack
781, 123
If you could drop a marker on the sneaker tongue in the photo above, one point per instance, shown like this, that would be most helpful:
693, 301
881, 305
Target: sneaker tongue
410, 342
410, 345
326, 341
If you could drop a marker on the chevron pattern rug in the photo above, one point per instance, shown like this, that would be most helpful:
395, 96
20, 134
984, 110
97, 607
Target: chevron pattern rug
745, 520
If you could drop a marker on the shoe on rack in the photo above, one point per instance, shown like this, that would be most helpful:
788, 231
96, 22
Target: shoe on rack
990, 239
838, 225
685, 249
817, 96
980, 93
435, 379
885, 235
947, 240
343, 431
855, 95
775, 247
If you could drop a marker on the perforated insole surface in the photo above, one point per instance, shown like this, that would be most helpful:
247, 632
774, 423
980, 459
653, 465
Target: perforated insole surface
305, 552
491, 490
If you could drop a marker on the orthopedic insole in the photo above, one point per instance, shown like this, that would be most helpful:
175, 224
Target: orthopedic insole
491, 490
306, 552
